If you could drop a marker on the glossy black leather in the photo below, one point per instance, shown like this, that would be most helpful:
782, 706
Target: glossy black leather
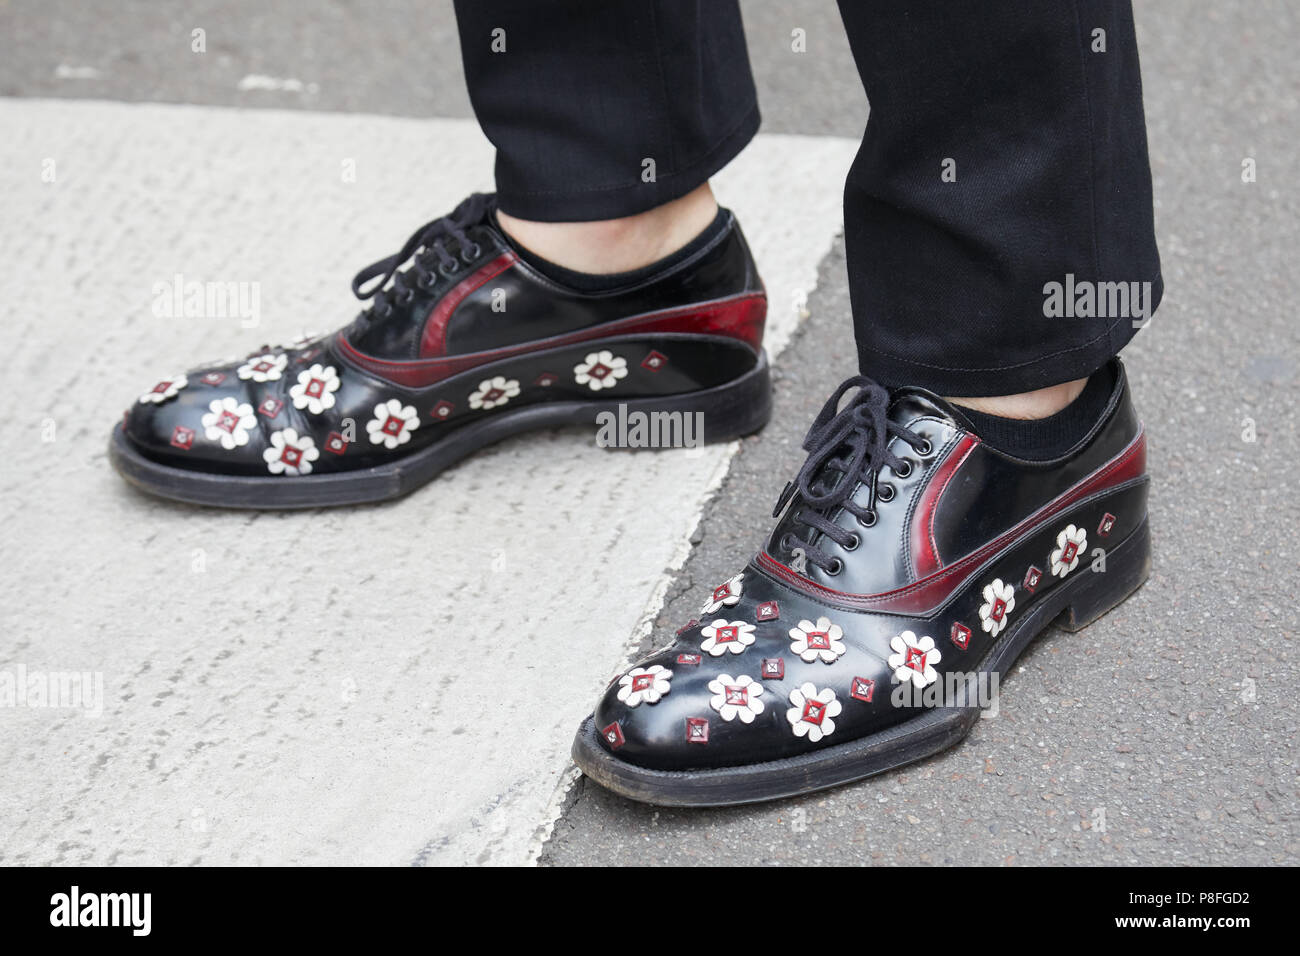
723, 268
891, 560
537, 311
997, 490
1100, 489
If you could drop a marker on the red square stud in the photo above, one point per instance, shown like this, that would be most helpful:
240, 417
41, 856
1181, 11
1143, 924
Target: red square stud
442, 410
654, 361
773, 668
336, 443
819, 641
183, 437
613, 735
862, 689
697, 730
960, 635
814, 712
687, 626
546, 380
1107, 522
690, 660
768, 611
270, 407
213, 378
1032, 577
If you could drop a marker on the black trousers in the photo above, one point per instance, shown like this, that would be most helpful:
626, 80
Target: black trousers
1001, 193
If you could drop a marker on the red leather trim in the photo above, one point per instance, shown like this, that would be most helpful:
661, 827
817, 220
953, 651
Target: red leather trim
931, 591
739, 317
925, 552
434, 339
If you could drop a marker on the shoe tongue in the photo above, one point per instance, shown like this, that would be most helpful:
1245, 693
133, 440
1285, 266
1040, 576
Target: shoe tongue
911, 402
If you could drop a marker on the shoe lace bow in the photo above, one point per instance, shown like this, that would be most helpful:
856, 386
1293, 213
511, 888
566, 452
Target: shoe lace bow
436, 238
846, 446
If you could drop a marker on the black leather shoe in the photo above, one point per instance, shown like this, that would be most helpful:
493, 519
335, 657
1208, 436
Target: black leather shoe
466, 346
910, 563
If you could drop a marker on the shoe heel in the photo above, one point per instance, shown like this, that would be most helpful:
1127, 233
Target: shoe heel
737, 408
1097, 592
741, 407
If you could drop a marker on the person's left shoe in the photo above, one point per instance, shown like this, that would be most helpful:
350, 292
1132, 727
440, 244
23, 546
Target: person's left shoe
910, 566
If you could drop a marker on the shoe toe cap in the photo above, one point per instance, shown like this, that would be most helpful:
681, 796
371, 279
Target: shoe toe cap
206, 420
698, 713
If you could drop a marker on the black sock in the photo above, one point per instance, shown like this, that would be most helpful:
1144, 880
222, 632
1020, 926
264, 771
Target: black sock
1042, 439
591, 282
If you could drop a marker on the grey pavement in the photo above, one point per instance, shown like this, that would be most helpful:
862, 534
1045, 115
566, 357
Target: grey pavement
1164, 733
395, 57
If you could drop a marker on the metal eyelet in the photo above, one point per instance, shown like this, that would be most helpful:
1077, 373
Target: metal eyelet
885, 492
868, 519
445, 270
856, 539
905, 471
473, 254
836, 567
784, 544
925, 449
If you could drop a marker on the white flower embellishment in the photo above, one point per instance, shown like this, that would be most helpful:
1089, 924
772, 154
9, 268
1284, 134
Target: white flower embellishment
812, 712
493, 392
727, 594
723, 635
289, 454
392, 424
998, 603
164, 390
644, 685
822, 639
315, 389
736, 697
914, 659
601, 370
263, 368
1070, 545
228, 422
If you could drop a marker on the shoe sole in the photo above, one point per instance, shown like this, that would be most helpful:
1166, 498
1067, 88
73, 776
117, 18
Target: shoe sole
1073, 606
737, 408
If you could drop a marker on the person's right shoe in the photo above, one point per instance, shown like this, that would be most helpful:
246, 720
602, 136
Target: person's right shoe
467, 345
910, 565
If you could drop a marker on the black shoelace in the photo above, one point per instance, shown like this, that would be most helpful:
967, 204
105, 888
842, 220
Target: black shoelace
845, 446
436, 239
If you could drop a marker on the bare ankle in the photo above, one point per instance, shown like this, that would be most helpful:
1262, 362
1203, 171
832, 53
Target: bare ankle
1039, 403
617, 245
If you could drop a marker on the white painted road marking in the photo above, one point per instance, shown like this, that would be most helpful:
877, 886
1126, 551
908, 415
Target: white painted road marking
381, 685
